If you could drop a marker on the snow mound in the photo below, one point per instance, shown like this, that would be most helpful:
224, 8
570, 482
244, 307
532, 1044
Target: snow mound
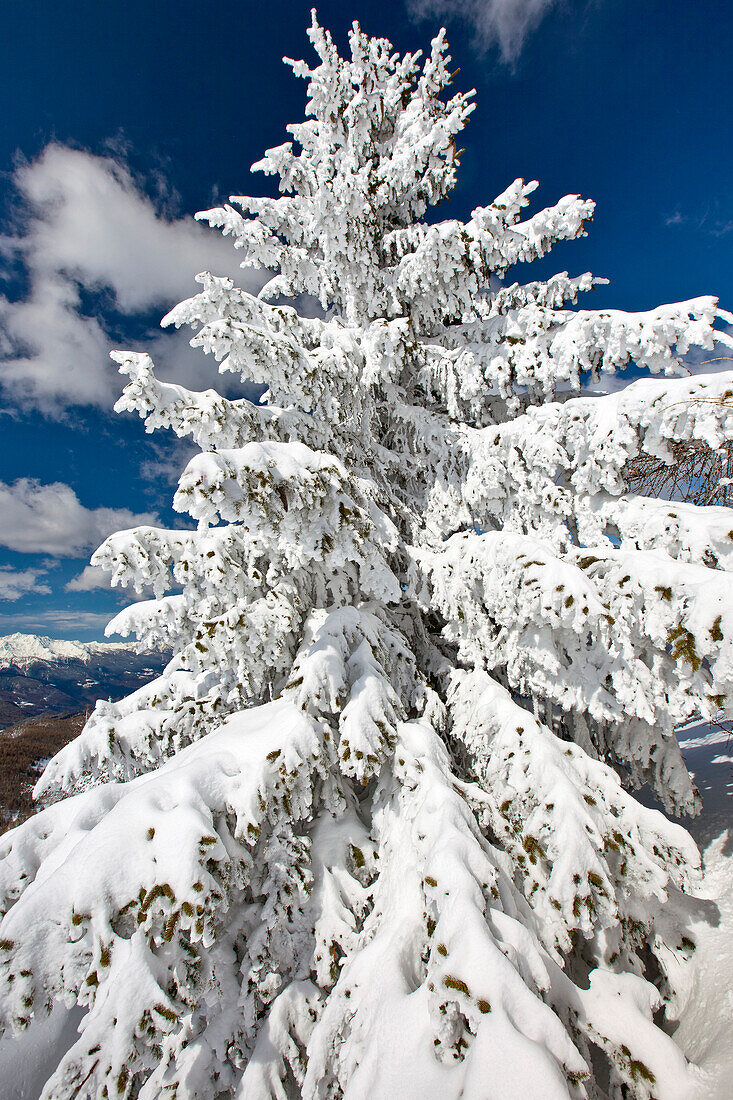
706, 1024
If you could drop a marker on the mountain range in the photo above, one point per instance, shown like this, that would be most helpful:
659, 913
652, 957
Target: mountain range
40, 675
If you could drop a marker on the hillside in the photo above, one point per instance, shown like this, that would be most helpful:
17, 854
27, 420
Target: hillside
41, 676
23, 750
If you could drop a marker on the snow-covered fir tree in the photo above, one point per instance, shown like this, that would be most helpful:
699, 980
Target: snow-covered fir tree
370, 834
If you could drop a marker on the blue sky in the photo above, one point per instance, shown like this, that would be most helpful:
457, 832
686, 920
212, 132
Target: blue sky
124, 118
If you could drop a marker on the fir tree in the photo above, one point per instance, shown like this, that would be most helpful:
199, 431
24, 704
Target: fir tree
370, 834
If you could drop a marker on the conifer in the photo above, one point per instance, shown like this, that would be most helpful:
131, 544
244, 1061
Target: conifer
372, 832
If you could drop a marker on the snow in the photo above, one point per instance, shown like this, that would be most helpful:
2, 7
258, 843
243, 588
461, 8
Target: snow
24, 649
28, 1061
706, 748
705, 1031
165, 822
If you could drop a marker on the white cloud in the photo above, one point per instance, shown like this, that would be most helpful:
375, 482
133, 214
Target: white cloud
91, 579
50, 519
86, 226
169, 457
88, 580
502, 23
68, 623
16, 583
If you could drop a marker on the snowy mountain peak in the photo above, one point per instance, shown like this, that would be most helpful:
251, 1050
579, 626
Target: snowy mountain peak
22, 649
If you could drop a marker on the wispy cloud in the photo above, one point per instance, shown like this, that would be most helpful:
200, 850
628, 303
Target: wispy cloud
678, 218
69, 624
168, 459
713, 220
84, 230
502, 23
16, 583
50, 519
721, 229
